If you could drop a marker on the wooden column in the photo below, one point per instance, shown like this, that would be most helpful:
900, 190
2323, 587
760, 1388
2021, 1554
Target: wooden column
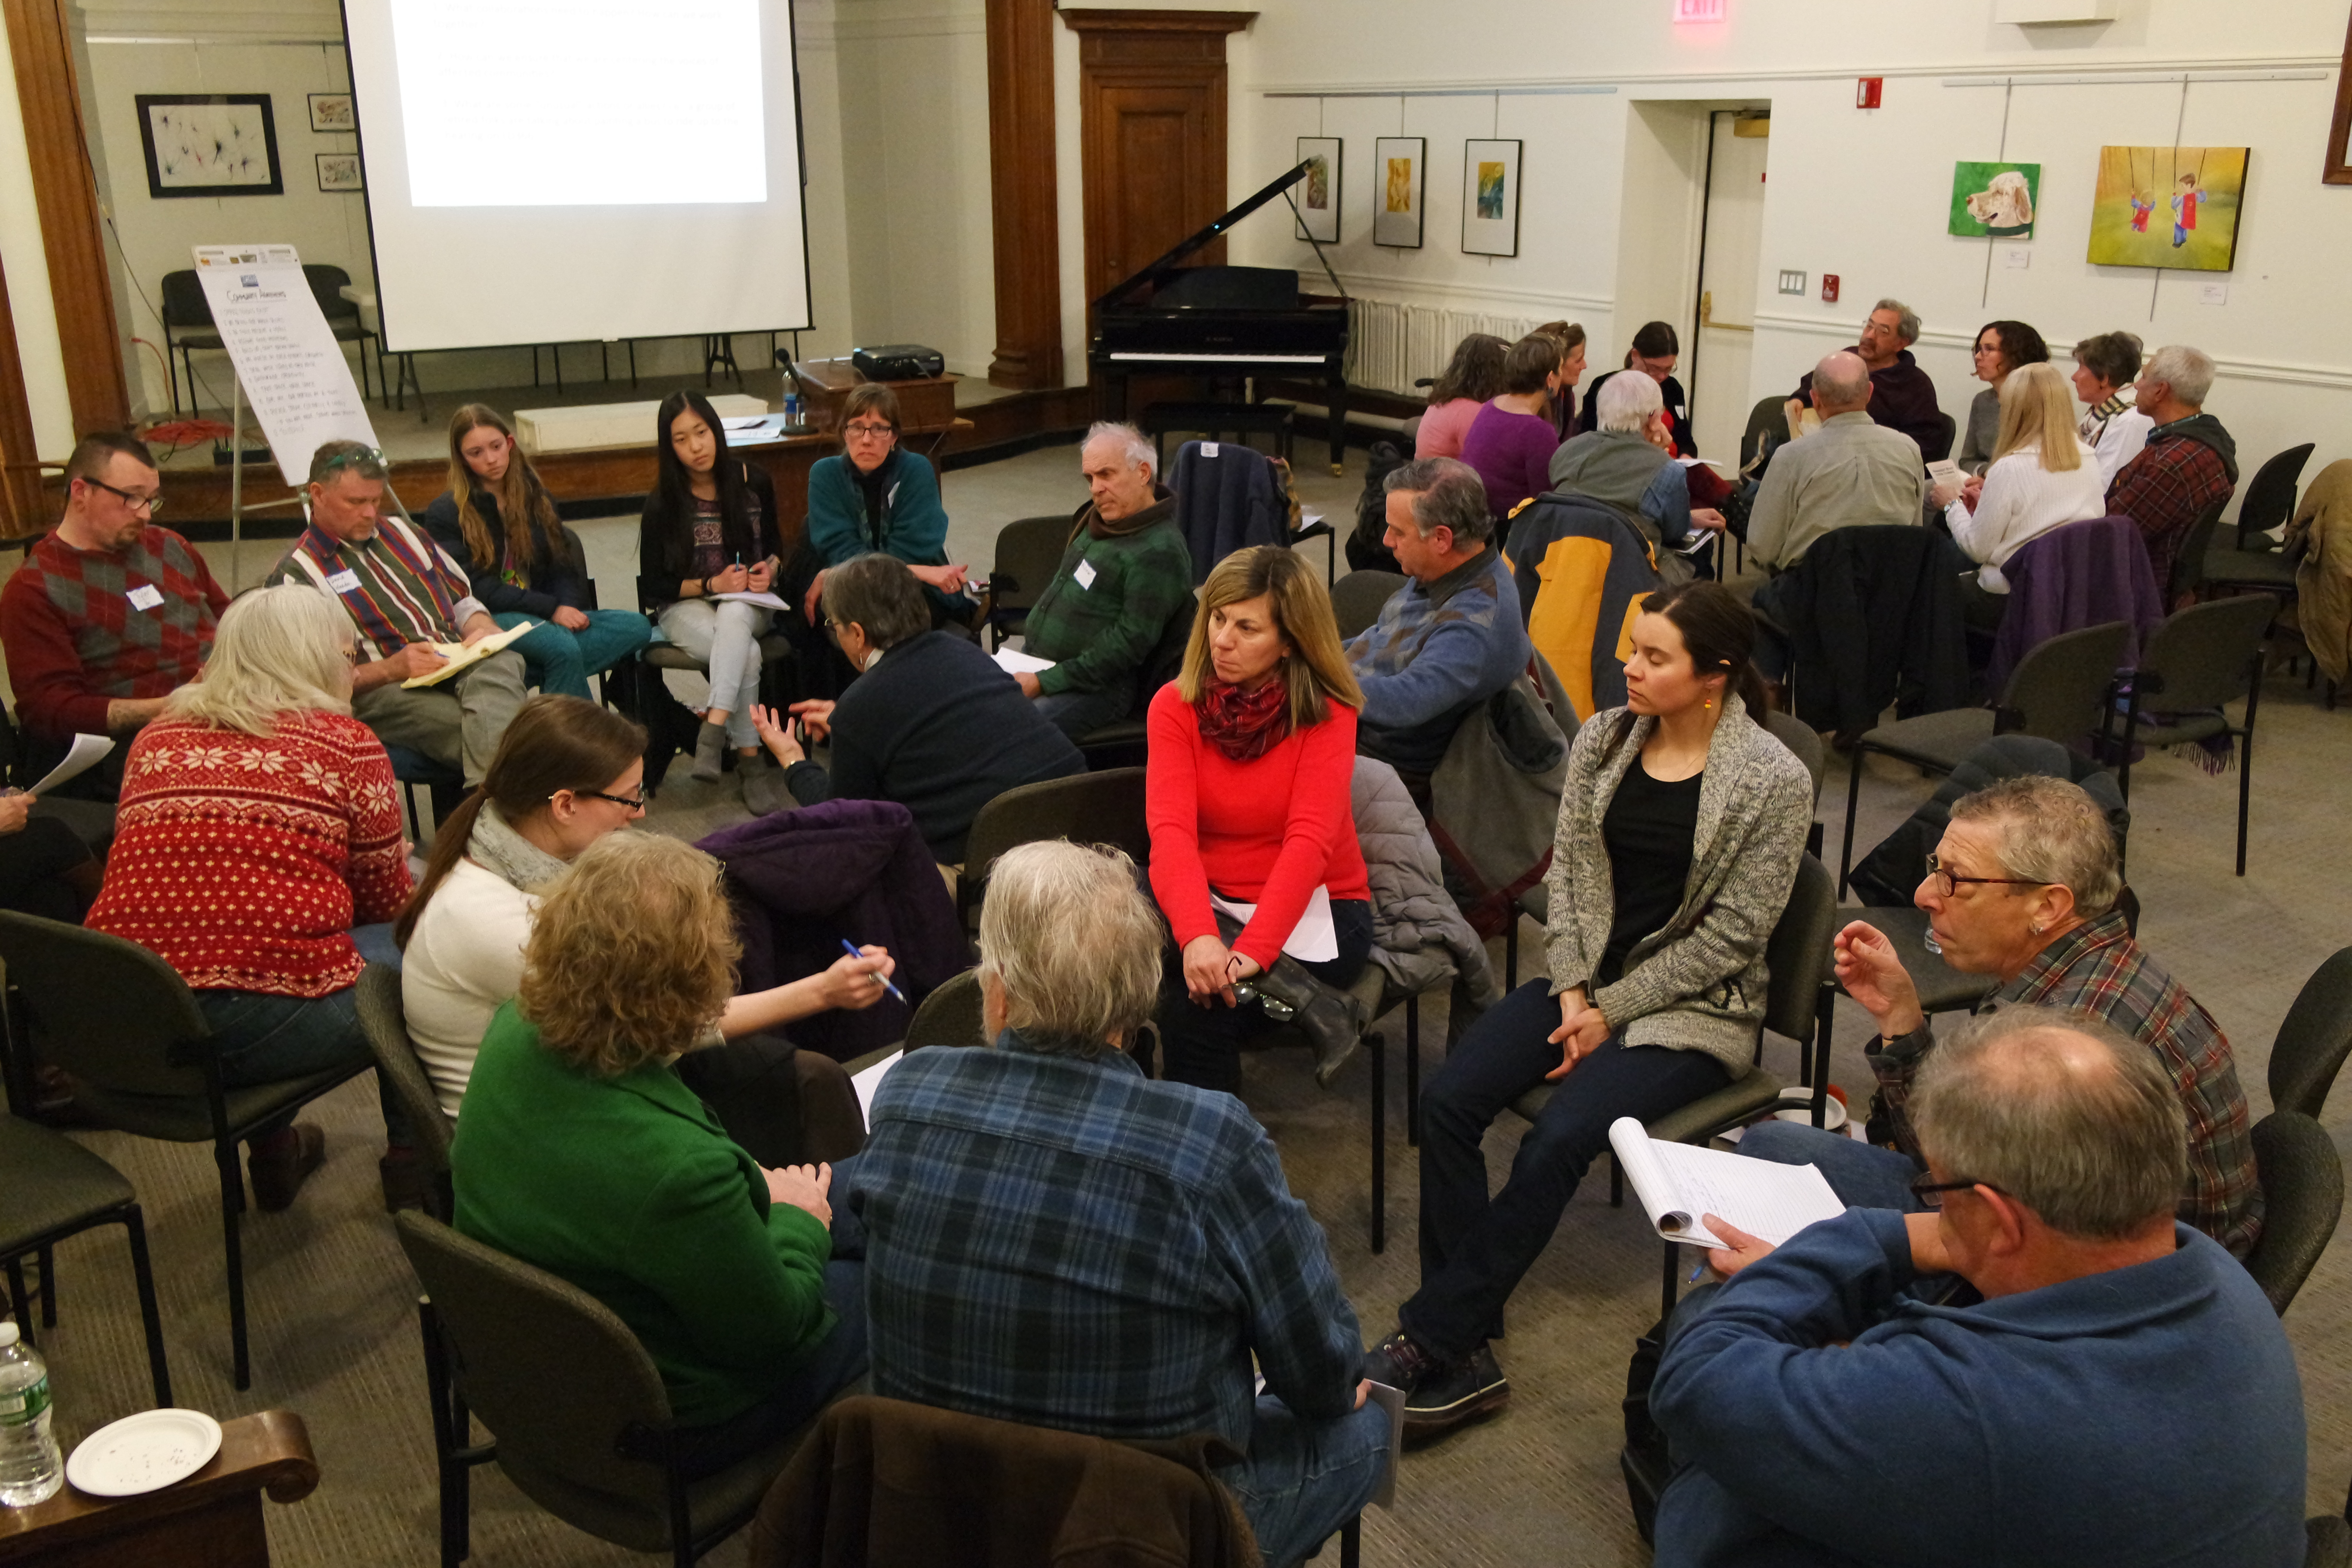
65, 193
21, 509
1023, 192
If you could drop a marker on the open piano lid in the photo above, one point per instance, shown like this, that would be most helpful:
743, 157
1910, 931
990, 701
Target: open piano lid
1158, 272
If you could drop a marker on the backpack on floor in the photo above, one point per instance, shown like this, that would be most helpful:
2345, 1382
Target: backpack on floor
1365, 551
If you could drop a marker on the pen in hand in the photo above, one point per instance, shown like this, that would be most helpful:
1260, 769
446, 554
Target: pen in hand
851, 947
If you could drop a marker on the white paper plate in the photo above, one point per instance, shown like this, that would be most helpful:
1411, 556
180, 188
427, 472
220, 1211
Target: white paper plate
1801, 1108
143, 1453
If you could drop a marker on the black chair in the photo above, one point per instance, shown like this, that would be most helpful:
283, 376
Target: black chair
2254, 560
327, 284
445, 786
579, 1419
1028, 553
1356, 603
398, 1065
1211, 420
2198, 660
1121, 743
126, 1026
52, 1188
1104, 808
1804, 742
2189, 562
2313, 1039
187, 326
1941, 446
2302, 1198
949, 1015
2058, 691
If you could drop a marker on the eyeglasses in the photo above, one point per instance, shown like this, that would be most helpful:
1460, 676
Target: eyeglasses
625, 802
153, 505
1932, 1193
1951, 882
871, 432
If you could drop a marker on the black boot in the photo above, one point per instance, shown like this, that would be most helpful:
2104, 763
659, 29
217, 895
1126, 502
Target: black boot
1330, 1018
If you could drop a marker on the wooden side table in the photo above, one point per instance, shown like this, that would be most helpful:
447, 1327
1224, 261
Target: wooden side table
212, 1520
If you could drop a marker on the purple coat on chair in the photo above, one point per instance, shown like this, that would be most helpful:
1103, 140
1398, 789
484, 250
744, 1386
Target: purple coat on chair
2082, 575
803, 882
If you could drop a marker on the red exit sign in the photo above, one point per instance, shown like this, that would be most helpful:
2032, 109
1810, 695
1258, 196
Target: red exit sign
1698, 10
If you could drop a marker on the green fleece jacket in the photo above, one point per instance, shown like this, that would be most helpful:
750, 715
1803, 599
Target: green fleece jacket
628, 1188
1111, 599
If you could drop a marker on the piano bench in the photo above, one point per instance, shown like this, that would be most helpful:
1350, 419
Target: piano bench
1211, 420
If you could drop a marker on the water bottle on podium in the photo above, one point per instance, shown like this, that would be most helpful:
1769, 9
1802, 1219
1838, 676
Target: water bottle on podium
31, 1468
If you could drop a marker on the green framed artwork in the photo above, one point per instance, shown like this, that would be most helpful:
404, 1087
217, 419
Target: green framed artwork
1996, 199
2168, 206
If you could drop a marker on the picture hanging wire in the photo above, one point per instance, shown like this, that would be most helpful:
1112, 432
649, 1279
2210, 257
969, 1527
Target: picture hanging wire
2179, 118
2007, 90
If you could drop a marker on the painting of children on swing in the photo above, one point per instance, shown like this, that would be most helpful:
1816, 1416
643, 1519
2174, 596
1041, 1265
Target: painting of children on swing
2199, 189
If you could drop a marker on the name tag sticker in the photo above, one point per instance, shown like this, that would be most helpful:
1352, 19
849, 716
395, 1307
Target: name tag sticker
1208, 448
1085, 573
145, 597
344, 582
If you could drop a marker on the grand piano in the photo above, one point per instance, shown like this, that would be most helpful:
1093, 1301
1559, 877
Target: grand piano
1225, 321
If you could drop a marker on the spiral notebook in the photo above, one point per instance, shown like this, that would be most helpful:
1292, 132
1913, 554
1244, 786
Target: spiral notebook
1678, 1183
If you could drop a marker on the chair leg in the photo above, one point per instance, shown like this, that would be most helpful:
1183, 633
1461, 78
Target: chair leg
1669, 1286
20, 1305
48, 1287
1616, 1182
1824, 1014
1379, 1052
232, 1182
1351, 1542
150, 1316
1511, 952
1412, 1071
2246, 758
446, 1438
1853, 801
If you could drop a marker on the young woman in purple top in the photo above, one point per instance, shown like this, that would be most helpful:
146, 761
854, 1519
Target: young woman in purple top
1512, 440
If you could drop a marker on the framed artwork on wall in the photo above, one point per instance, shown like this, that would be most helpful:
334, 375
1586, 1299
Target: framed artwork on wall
2168, 206
1319, 194
339, 171
209, 144
1396, 191
1490, 198
1995, 199
333, 111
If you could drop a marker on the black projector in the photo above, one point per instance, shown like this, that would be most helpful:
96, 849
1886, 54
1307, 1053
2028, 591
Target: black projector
899, 361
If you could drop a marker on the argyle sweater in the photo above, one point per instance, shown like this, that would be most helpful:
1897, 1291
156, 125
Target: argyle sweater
402, 587
244, 860
75, 642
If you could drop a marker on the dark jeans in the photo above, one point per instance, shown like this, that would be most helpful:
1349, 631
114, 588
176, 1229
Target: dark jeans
264, 1038
827, 1367
1205, 1044
1474, 1249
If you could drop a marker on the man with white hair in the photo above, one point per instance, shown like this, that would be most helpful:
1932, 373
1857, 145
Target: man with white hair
1622, 464
1124, 578
2189, 463
1902, 397
2119, 1392
1849, 473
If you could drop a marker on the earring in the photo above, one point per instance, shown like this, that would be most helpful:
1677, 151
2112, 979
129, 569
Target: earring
2037, 928
1708, 705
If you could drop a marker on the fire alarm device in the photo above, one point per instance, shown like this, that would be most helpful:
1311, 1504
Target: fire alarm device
1829, 288
1866, 89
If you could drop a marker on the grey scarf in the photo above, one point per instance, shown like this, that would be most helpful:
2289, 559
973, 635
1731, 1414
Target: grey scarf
499, 848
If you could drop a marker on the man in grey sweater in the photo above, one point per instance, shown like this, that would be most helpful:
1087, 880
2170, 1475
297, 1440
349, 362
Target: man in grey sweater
1848, 473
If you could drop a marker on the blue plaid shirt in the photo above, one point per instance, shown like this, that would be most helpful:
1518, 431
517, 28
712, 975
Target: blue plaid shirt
1067, 1243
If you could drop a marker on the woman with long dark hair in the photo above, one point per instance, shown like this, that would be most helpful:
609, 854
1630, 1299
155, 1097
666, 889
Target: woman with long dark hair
2000, 347
710, 531
1470, 379
498, 518
1681, 824
1657, 347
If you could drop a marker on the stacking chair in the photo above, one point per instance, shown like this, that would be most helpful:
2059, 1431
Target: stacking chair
2302, 1198
1375, 995
445, 786
2253, 559
1356, 603
1797, 1004
2313, 1039
187, 326
52, 1188
579, 1419
385, 1023
2058, 691
1104, 808
1028, 553
1804, 742
2189, 562
2199, 659
127, 1027
949, 1015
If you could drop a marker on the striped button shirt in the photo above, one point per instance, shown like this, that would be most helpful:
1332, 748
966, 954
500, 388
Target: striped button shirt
398, 586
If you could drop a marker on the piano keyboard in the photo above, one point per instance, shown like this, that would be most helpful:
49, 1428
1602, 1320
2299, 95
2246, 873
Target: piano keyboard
1222, 359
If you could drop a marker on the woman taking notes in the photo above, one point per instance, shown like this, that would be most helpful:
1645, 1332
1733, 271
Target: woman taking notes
1681, 824
498, 518
2041, 477
1253, 751
581, 1152
709, 529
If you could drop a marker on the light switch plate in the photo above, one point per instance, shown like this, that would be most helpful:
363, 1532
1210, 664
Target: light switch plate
2212, 293
2017, 258
1792, 282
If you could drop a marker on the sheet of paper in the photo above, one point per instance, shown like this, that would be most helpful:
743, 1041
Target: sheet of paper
1763, 1198
1313, 939
866, 1083
1698, 539
463, 656
1944, 471
1013, 661
1392, 1401
747, 422
765, 601
87, 752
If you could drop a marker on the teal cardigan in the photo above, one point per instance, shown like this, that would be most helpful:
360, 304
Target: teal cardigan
629, 1189
914, 523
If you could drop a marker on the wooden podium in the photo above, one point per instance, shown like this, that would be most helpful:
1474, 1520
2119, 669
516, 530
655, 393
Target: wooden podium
925, 407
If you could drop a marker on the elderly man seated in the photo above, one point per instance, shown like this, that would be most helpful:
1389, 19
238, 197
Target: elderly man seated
1125, 575
1053, 1237
1903, 398
404, 594
2187, 464
2022, 887
1624, 463
2120, 1393
1451, 637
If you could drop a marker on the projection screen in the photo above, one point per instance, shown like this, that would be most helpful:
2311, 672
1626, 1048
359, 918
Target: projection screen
548, 171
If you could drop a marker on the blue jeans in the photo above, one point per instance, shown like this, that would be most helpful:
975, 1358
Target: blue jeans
1304, 1479
266, 1039
1078, 714
830, 1365
1863, 1176
559, 661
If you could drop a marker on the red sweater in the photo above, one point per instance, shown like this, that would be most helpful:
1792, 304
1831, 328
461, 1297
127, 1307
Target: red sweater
244, 860
1267, 832
75, 642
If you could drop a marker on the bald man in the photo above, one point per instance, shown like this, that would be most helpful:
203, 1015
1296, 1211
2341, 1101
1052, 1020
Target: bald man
1848, 473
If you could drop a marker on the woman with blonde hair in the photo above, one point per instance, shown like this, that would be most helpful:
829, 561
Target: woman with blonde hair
498, 518
259, 852
2041, 477
582, 1152
1246, 793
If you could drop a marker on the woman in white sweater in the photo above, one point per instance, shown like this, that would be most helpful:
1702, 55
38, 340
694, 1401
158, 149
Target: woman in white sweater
2041, 477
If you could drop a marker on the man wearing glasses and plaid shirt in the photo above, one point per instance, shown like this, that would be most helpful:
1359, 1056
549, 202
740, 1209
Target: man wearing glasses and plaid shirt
109, 614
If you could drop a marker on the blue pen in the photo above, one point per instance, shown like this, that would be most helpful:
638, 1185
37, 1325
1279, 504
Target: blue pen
851, 947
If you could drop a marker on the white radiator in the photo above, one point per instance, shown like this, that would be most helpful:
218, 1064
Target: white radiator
1390, 346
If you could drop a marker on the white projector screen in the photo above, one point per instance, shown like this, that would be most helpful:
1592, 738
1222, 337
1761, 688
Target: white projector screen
548, 171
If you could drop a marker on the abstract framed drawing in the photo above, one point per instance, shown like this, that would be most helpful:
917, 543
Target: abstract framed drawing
1490, 198
209, 144
1397, 191
2169, 207
340, 171
1317, 193
1994, 199
333, 111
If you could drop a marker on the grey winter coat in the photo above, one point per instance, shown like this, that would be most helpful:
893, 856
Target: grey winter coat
1698, 985
1413, 921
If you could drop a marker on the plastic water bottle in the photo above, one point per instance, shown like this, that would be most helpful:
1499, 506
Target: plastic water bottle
31, 1468
791, 410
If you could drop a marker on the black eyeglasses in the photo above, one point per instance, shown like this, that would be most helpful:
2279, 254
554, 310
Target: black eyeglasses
1931, 1193
152, 505
1952, 882
625, 802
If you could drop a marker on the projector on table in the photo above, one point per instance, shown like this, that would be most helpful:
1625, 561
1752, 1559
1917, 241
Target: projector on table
899, 361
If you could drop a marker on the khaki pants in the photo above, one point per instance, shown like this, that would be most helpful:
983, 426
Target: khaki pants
458, 722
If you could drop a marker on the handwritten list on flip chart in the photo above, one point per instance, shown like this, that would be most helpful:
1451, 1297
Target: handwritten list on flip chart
293, 370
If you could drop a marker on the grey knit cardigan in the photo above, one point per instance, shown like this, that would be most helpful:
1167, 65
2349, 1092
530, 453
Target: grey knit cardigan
1696, 984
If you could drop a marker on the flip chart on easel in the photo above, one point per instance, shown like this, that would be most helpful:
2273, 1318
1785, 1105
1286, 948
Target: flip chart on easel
286, 358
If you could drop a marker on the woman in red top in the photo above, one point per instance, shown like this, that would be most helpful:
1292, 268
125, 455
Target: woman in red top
1253, 749
258, 826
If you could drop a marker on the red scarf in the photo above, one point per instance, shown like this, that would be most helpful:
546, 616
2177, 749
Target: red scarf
1245, 725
